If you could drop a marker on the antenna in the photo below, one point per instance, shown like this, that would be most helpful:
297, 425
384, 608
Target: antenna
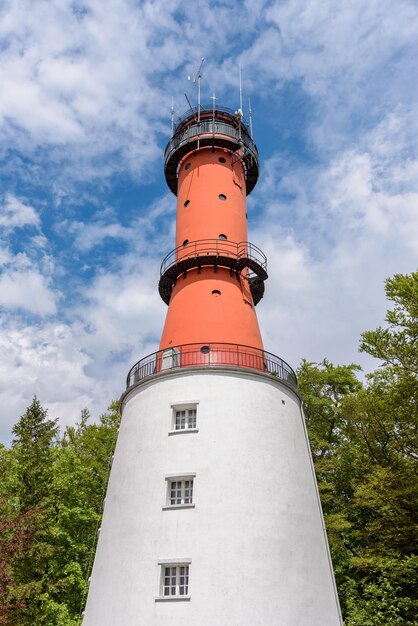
172, 116
251, 118
213, 121
189, 103
198, 78
240, 88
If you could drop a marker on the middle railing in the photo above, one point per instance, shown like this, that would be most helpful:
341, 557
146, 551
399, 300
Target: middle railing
215, 253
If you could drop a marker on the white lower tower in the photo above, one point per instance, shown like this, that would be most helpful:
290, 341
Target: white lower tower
252, 536
212, 514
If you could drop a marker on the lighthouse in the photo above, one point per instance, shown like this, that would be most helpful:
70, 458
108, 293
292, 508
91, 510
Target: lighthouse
212, 515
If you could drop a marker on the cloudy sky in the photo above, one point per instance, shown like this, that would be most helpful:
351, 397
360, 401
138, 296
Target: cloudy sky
85, 214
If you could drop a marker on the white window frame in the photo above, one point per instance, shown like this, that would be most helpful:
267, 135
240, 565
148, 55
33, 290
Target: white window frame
187, 407
182, 478
177, 564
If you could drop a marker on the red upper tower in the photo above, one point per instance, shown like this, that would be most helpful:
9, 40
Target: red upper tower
214, 277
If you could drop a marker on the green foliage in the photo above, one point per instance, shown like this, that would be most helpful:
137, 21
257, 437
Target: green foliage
364, 444
35, 436
396, 345
56, 486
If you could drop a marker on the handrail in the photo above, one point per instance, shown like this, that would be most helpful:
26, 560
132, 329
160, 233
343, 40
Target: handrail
211, 355
207, 109
217, 247
210, 127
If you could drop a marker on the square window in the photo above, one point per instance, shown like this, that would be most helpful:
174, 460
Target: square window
179, 491
174, 580
184, 418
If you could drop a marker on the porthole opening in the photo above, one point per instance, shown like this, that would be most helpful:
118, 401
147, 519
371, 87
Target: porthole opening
223, 237
222, 196
187, 203
216, 292
205, 349
185, 242
188, 166
222, 160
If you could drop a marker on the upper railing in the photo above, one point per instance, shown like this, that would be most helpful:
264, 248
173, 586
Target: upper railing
211, 355
207, 110
219, 128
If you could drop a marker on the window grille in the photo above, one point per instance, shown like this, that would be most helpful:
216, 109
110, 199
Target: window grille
185, 419
181, 491
175, 580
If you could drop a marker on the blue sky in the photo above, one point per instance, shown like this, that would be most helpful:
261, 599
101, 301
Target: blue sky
86, 217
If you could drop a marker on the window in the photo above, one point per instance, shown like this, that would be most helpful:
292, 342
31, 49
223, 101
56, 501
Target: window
222, 196
184, 418
176, 580
175, 576
180, 491
188, 166
222, 159
223, 237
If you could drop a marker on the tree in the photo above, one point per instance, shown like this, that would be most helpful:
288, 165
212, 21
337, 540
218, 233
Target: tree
15, 539
59, 486
364, 444
35, 436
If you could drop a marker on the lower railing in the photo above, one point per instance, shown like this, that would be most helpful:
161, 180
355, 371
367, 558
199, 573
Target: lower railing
211, 355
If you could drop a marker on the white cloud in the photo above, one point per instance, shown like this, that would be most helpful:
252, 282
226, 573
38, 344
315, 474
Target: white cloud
15, 214
27, 290
82, 362
90, 235
344, 228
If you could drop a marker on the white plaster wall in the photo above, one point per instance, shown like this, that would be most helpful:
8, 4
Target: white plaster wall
255, 537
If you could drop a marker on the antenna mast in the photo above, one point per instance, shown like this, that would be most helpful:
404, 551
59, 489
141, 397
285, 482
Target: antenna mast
240, 88
198, 78
189, 103
251, 118
172, 116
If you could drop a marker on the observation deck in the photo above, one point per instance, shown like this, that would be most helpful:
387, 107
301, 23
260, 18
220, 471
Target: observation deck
211, 355
217, 127
215, 253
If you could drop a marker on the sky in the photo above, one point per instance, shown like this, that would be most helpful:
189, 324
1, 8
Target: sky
86, 216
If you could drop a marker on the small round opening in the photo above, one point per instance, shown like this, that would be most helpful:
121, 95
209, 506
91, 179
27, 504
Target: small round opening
187, 203
205, 349
223, 237
216, 292
222, 160
222, 196
188, 166
185, 242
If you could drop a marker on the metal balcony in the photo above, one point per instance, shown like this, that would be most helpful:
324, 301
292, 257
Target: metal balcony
212, 355
214, 253
219, 128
